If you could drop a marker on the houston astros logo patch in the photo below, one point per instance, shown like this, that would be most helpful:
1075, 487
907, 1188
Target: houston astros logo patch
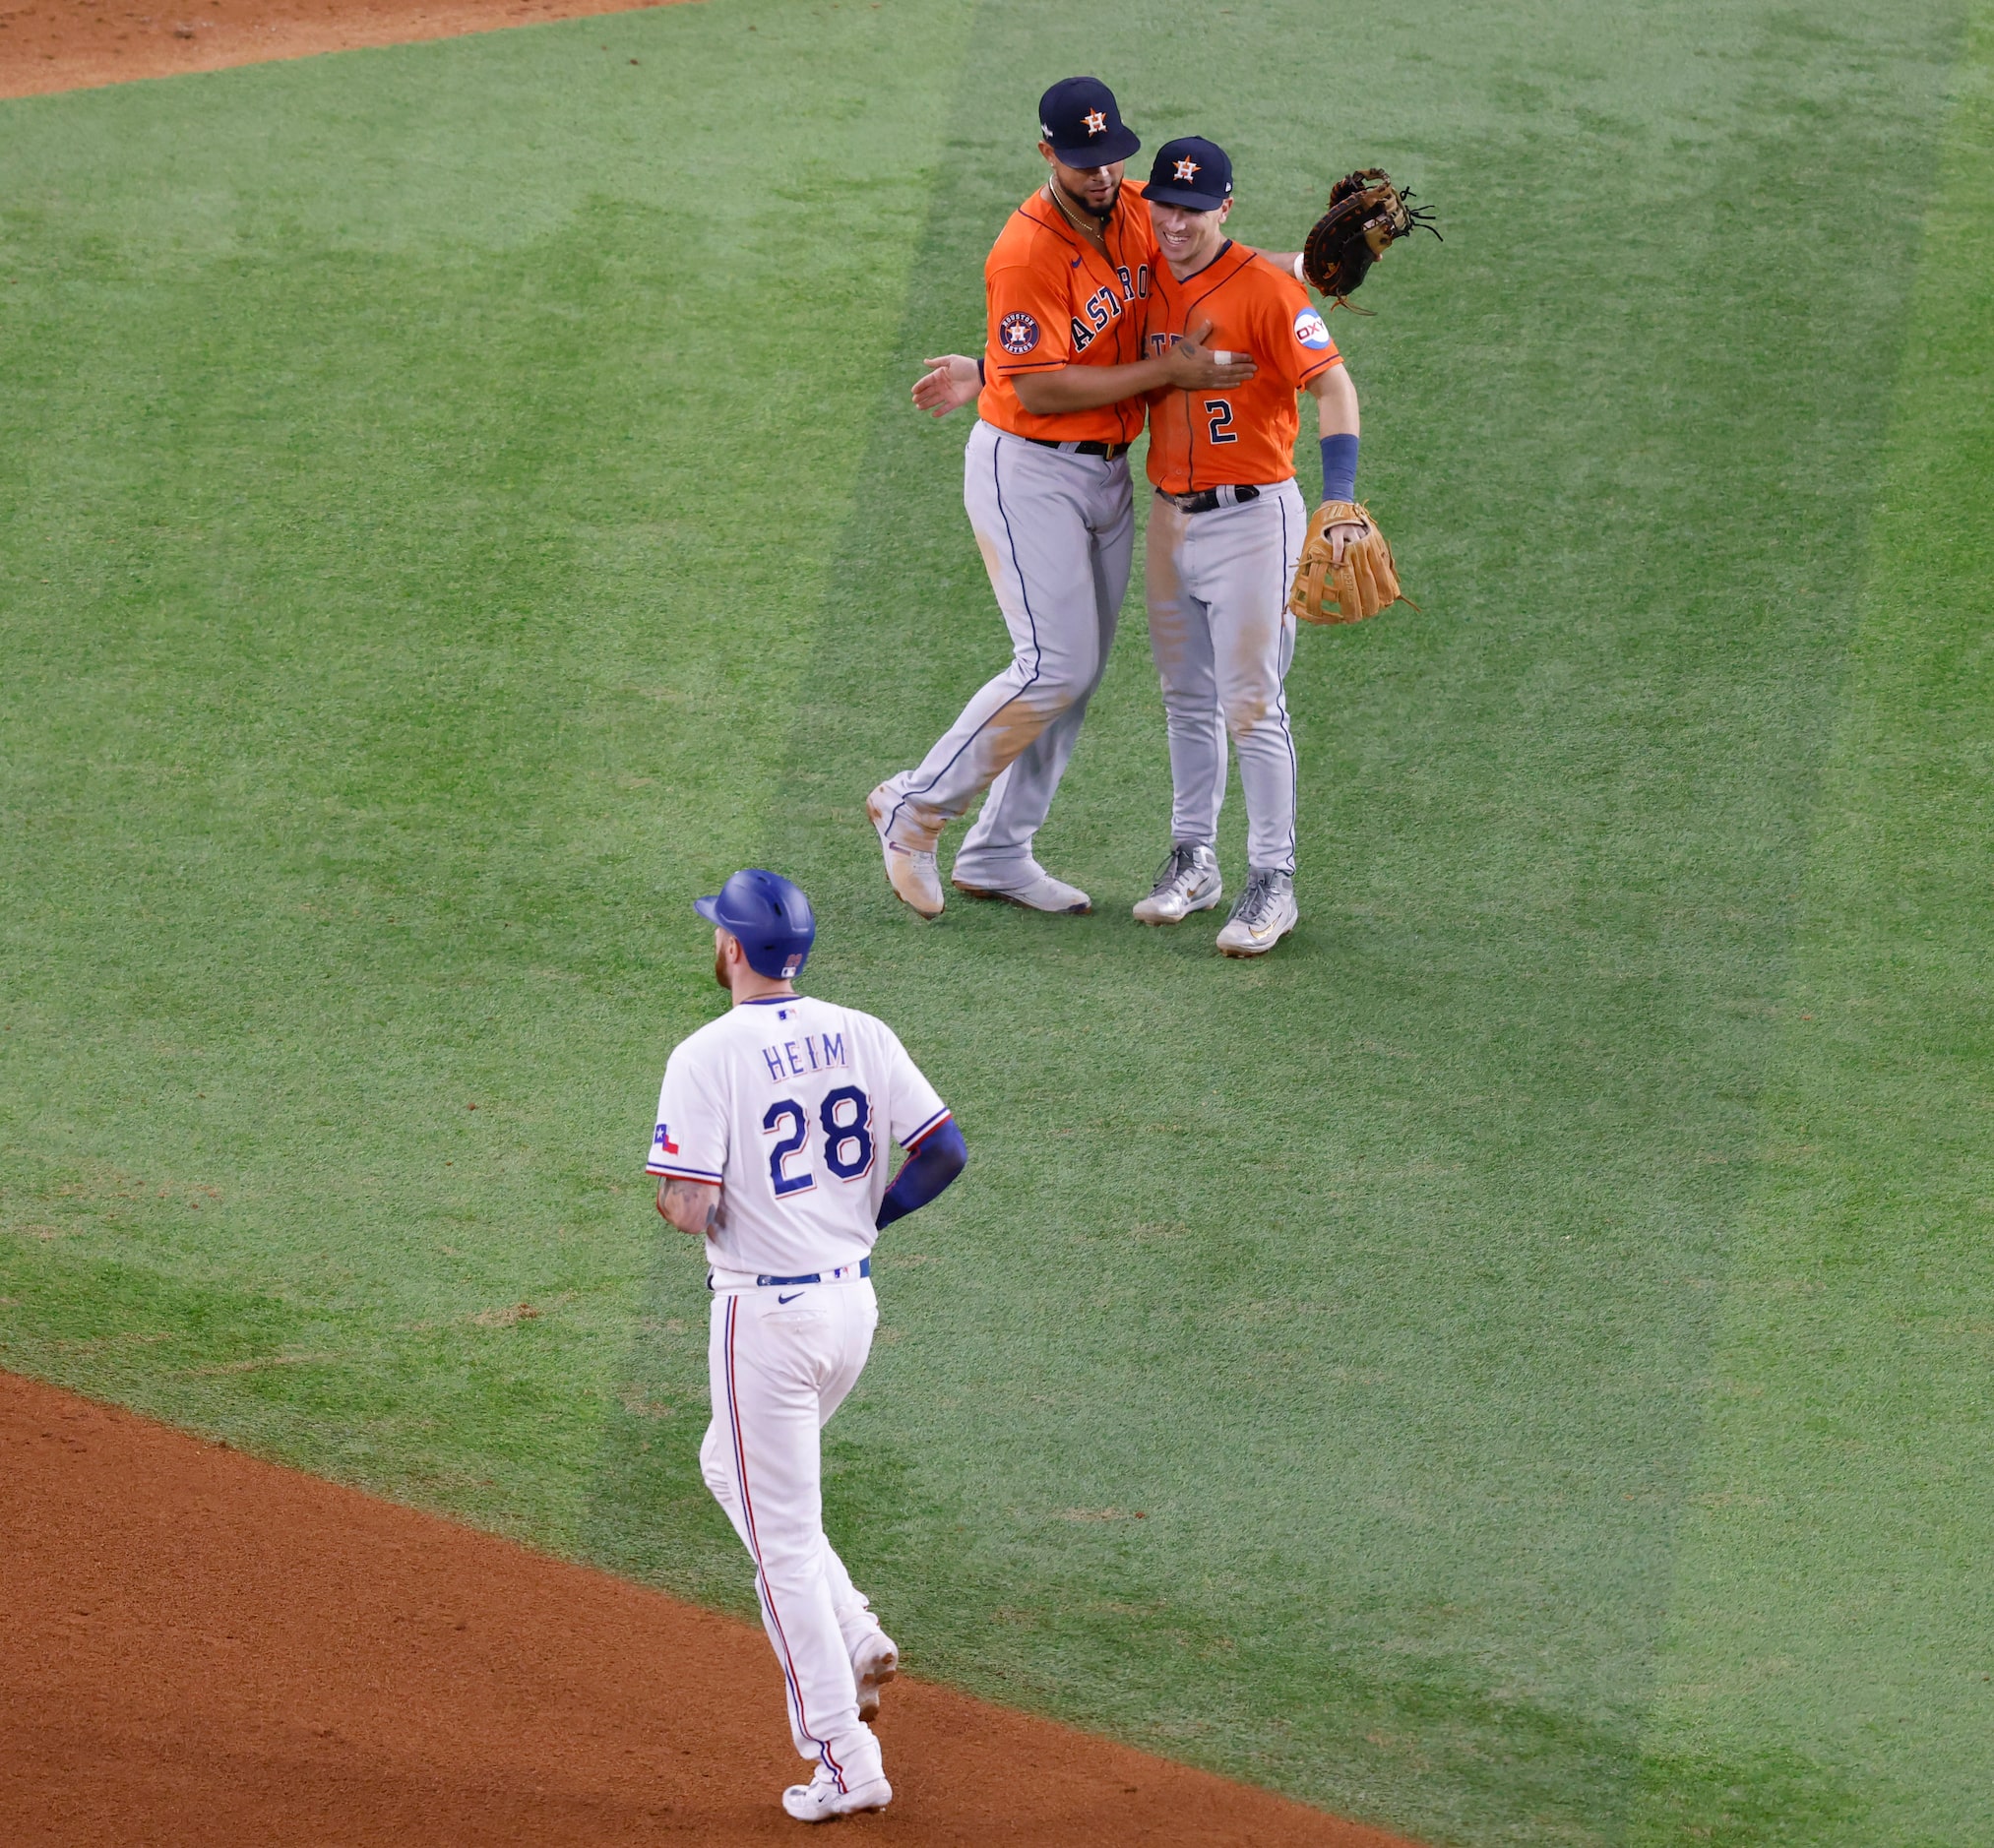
1187, 169
1096, 122
1310, 331
1019, 333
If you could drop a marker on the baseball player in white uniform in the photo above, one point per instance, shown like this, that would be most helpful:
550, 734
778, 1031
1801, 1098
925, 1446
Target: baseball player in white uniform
768, 1147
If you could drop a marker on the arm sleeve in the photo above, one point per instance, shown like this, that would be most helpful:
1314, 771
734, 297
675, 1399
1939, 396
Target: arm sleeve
942, 1156
1029, 329
690, 1141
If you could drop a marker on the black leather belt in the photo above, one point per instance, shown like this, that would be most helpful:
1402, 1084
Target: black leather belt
1206, 499
1106, 450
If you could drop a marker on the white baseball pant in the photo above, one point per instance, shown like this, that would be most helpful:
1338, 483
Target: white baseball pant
1056, 530
781, 1361
1222, 640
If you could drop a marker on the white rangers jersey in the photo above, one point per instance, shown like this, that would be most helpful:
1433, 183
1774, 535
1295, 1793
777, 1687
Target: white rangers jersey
783, 1101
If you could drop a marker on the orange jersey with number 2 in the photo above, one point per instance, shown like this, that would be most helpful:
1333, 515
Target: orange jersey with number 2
1246, 435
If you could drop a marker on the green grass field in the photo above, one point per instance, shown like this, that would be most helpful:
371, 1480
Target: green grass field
459, 501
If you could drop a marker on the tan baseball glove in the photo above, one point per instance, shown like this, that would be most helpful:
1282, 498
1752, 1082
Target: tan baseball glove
1366, 580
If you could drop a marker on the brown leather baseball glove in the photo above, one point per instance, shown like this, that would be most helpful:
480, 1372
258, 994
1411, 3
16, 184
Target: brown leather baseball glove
1364, 584
1367, 214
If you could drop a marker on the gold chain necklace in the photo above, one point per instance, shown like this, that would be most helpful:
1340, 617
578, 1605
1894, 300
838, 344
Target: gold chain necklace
1093, 231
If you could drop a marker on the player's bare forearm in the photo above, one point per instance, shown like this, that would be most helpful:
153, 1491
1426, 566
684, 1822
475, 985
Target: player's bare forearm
1336, 398
1185, 367
1086, 388
689, 1206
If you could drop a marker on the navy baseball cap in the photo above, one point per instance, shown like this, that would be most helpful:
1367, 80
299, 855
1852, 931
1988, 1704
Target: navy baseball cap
769, 915
1190, 171
1078, 116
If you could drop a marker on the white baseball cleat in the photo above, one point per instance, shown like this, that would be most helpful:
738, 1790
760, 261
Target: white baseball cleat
874, 1662
909, 868
1188, 881
1039, 893
820, 1801
1264, 914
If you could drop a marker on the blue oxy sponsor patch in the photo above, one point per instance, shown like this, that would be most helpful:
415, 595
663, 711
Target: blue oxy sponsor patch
1017, 332
1310, 330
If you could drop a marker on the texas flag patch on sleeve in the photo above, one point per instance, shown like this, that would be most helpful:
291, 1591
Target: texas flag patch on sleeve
662, 1141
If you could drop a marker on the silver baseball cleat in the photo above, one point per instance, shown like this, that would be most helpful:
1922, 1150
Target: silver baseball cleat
1188, 881
1264, 914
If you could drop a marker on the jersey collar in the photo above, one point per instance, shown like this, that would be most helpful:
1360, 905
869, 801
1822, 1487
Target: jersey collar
1218, 257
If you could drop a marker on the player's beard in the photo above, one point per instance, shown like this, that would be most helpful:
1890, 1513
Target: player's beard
721, 973
1100, 214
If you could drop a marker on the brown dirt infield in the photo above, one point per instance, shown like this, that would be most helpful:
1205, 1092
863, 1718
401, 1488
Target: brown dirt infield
200, 1648
75, 44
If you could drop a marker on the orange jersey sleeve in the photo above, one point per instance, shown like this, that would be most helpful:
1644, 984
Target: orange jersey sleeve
1051, 300
1244, 435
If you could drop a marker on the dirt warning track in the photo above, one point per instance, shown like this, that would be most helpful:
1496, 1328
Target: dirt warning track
77, 44
200, 1648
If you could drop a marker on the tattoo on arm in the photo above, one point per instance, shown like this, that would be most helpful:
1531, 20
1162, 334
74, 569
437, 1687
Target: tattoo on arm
689, 1206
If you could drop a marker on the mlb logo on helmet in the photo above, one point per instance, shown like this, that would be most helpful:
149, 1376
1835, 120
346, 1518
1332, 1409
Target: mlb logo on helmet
1081, 120
1017, 332
1310, 330
768, 917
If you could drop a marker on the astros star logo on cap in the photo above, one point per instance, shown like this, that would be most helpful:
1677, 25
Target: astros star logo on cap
1187, 169
1095, 122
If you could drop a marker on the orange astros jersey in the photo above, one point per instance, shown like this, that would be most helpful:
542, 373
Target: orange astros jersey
1052, 302
1245, 436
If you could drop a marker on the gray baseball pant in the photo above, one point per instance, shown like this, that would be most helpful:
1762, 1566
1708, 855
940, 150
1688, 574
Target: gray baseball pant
1056, 530
1222, 639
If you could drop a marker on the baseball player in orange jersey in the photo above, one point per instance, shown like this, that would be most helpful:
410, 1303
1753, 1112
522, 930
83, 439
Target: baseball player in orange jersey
1226, 530
1059, 398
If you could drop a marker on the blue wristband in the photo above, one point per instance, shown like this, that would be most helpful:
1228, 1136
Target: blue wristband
1340, 467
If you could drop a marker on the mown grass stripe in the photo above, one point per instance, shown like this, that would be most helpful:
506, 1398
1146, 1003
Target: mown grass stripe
1827, 1676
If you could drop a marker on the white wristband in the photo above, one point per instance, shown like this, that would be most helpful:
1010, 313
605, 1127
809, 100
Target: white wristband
1298, 276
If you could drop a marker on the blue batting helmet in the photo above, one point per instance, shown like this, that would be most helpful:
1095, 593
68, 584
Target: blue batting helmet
769, 915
